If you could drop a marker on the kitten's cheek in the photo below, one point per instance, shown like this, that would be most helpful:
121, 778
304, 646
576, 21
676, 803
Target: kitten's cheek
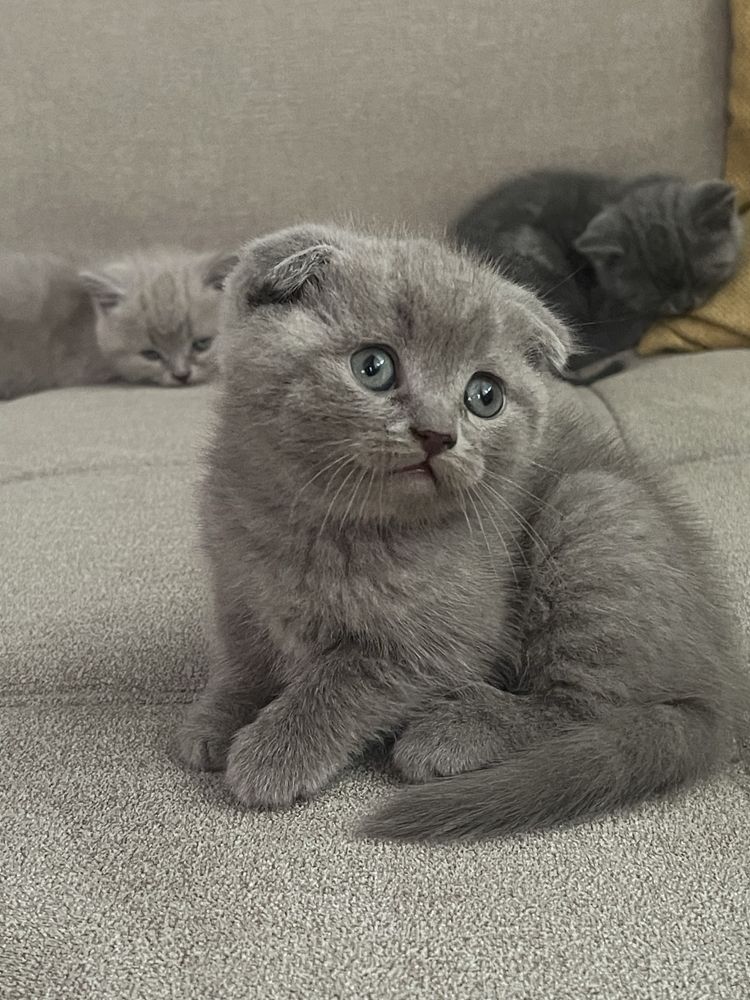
267, 767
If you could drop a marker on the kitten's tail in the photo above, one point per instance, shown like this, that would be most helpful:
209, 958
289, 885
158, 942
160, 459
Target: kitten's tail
586, 770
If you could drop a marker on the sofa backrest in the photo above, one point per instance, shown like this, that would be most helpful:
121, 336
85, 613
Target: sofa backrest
207, 121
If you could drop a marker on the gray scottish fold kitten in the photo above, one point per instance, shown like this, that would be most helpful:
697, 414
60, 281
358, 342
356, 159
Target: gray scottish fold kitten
410, 533
609, 255
148, 317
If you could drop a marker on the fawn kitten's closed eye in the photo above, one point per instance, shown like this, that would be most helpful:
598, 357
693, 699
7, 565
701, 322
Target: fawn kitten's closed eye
198, 346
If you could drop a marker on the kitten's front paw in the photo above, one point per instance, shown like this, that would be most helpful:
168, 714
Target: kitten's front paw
437, 745
202, 744
265, 770
202, 751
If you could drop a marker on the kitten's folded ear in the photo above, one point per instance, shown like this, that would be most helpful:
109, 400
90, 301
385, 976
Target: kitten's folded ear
277, 268
105, 291
550, 342
714, 205
217, 268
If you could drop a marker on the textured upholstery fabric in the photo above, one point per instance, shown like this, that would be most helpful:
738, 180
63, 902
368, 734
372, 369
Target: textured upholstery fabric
122, 876
125, 878
205, 121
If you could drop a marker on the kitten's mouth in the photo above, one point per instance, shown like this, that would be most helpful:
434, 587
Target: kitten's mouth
417, 469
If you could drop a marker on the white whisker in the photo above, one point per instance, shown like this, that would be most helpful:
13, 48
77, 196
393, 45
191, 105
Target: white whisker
351, 499
381, 514
347, 477
500, 536
548, 291
525, 525
546, 468
367, 496
521, 489
336, 461
465, 512
484, 533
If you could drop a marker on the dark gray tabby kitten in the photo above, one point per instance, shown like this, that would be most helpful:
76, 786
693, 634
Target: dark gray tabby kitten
609, 255
410, 532
147, 317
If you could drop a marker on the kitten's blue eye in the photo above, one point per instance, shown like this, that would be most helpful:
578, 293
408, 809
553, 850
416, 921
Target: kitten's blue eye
484, 395
203, 344
151, 355
375, 368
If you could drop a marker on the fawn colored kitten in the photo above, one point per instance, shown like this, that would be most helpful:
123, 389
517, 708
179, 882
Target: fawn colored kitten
412, 533
148, 317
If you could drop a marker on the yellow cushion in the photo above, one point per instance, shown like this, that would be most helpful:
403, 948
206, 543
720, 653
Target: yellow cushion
724, 321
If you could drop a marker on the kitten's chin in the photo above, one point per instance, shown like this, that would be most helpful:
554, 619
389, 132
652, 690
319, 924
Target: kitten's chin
415, 494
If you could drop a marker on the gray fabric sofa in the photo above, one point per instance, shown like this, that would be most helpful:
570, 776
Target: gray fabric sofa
123, 876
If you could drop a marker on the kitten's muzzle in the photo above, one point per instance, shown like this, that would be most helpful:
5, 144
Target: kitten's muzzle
433, 442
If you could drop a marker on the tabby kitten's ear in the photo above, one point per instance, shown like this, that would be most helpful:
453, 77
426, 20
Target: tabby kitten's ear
276, 269
105, 292
599, 242
217, 269
714, 204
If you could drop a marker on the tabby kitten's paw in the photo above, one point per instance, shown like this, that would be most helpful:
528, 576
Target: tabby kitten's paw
265, 770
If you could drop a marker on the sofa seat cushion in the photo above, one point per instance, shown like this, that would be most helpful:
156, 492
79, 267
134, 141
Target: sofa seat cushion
123, 876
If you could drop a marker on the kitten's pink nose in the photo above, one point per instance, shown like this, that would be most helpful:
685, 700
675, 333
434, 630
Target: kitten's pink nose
181, 376
434, 442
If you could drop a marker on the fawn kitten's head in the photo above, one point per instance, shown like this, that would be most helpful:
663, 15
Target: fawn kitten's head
157, 314
379, 380
666, 247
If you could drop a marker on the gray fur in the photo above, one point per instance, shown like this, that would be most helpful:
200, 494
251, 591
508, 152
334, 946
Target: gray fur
543, 610
609, 255
61, 327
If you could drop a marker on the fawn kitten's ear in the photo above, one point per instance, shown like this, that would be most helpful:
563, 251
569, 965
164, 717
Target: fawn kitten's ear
276, 269
105, 292
217, 269
713, 205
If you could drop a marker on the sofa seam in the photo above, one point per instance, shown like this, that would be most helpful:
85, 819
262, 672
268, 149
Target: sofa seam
615, 418
82, 470
645, 459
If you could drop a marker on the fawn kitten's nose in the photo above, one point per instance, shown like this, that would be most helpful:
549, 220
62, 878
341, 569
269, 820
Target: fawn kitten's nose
181, 376
433, 442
